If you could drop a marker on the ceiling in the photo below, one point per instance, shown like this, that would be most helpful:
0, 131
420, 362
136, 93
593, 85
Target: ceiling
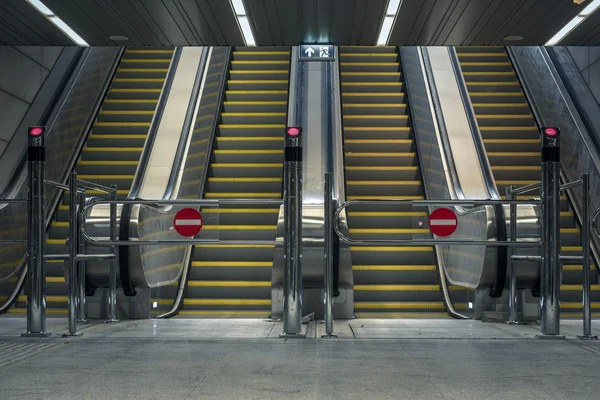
290, 22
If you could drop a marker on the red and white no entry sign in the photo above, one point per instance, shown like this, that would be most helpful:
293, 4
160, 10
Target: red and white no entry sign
443, 222
188, 222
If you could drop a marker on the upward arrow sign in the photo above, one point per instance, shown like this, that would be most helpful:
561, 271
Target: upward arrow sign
309, 52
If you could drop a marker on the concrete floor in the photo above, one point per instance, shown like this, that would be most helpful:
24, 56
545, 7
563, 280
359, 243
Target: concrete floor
245, 359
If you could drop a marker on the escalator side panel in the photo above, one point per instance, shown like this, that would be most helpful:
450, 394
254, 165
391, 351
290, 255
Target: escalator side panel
111, 153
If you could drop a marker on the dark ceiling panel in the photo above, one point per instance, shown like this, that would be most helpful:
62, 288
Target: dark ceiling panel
469, 22
291, 22
21, 24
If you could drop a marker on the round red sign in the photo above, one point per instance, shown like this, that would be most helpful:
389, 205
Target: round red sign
443, 222
188, 222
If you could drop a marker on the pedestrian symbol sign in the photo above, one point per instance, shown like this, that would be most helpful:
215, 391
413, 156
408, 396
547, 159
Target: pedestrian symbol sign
317, 52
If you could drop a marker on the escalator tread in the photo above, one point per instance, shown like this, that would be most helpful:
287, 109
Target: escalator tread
234, 281
381, 163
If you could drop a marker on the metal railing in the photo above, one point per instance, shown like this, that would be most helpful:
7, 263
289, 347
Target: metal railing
511, 193
76, 257
162, 207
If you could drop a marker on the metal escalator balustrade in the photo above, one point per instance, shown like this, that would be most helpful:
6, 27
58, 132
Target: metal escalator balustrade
381, 163
111, 154
512, 142
246, 162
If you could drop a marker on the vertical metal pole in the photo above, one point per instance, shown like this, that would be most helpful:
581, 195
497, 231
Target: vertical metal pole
73, 248
82, 264
551, 269
36, 210
328, 295
512, 302
585, 238
112, 279
292, 206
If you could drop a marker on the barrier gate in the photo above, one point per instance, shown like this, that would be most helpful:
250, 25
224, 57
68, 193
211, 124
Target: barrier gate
549, 260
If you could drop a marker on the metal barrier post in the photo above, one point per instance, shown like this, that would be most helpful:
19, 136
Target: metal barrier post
292, 206
513, 300
328, 293
36, 277
112, 279
81, 273
551, 269
73, 249
585, 238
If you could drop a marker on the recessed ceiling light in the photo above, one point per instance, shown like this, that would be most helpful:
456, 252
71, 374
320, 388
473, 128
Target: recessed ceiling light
513, 38
388, 22
574, 23
119, 38
240, 13
59, 23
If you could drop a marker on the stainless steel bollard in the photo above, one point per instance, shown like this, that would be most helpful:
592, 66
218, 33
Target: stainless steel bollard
551, 269
513, 300
328, 292
585, 241
36, 234
112, 279
81, 318
73, 249
292, 200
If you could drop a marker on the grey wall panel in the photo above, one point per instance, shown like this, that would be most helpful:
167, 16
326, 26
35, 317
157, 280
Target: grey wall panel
46, 55
12, 111
587, 60
20, 76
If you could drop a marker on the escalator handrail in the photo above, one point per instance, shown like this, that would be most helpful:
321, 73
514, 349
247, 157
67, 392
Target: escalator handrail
488, 177
125, 216
178, 302
436, 112
53, 206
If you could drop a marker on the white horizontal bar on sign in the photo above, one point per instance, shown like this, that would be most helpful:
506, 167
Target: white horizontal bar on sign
443, 222
188, 222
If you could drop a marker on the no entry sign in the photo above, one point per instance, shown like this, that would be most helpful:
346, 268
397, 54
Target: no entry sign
188, 222
443, 222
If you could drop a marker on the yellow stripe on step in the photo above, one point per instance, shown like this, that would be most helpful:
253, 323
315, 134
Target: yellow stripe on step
399, 288
398, 305
227, 302
231, 263
389, 231
229, 283
387, 214
383, 183
399, 249
394, 267
245, 180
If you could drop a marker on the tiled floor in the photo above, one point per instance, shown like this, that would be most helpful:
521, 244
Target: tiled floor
245, 359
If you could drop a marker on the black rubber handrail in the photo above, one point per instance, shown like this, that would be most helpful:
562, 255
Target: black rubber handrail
125, 217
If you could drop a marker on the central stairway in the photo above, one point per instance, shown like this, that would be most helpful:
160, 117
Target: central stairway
381, 163
246, 162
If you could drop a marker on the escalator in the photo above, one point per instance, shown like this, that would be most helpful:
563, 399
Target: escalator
381, 163
111, 153
246, 162
512, 142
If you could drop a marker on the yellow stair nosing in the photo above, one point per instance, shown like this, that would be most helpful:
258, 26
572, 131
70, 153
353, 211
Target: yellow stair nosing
231, 263
229, 283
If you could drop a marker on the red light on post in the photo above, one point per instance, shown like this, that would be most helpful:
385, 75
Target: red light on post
551, 132
36, 131
293, 131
